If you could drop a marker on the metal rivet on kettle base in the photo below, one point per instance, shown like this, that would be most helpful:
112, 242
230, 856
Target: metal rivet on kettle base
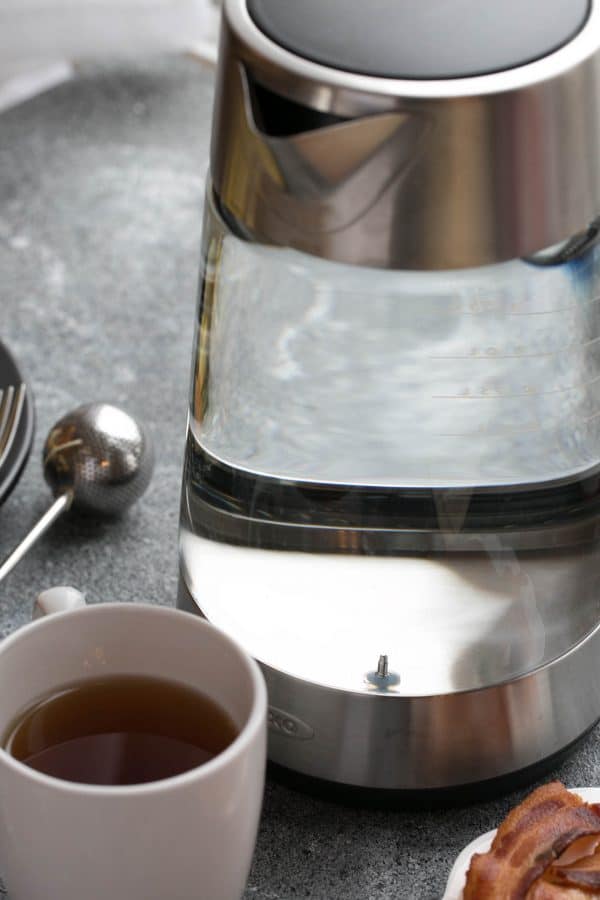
381, 678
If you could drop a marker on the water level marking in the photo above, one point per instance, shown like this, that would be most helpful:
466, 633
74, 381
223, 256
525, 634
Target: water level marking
528, 391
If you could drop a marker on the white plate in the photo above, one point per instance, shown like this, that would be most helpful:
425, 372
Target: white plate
481, 844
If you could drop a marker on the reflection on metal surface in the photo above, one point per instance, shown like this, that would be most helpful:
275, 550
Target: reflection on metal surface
428, 174
455, 621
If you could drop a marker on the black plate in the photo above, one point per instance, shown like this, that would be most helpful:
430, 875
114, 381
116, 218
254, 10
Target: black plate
19, 452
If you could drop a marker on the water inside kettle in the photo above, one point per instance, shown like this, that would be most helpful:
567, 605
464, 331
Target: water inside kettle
339, 409
334, 374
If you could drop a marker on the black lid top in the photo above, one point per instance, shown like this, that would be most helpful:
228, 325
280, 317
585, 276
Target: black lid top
421, 39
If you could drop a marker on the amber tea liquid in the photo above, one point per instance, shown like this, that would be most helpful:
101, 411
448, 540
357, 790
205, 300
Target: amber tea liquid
120, 730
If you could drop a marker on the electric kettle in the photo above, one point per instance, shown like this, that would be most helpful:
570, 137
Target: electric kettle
391, 489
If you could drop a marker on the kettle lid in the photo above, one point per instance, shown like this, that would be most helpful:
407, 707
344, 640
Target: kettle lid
421, 39
409, 134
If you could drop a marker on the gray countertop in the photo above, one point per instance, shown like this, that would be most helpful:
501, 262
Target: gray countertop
101, 184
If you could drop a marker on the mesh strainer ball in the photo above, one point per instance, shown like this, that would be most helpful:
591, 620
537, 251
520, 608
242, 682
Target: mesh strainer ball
100, 455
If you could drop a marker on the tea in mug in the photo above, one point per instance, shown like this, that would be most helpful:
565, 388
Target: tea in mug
120, 730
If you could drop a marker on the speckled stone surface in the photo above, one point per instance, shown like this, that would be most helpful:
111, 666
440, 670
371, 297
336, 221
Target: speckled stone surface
101, 185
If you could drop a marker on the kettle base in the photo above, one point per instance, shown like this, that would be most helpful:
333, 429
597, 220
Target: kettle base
425, 798
438, 748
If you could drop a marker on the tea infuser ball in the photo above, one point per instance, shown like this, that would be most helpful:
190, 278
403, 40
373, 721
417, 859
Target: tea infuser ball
98, 459
100, 455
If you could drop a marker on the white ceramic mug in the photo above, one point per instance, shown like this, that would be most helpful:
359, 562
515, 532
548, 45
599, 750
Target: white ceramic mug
189, 837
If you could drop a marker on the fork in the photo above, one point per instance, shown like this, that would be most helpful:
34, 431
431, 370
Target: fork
12, 399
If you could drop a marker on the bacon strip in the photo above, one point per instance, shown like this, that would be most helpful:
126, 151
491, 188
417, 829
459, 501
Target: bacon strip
581, 878
542, 890
531, 837
584, 873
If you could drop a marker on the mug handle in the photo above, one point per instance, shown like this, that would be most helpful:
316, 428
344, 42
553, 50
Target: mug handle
57, 599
